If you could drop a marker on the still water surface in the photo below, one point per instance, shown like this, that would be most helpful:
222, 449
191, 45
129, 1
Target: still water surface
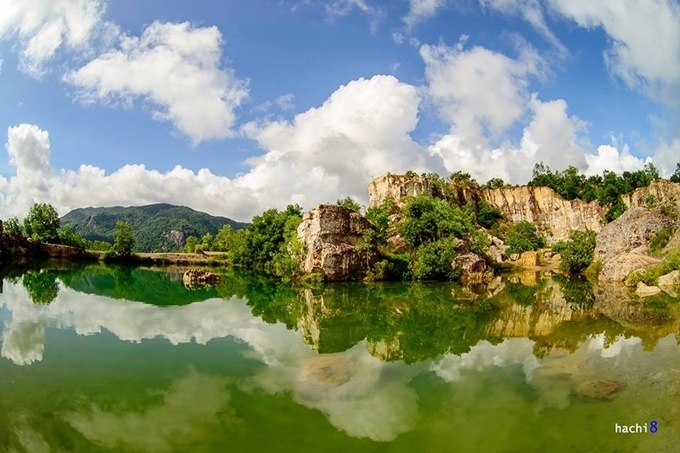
125, 359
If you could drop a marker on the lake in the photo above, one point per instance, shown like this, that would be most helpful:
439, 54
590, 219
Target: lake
98, 358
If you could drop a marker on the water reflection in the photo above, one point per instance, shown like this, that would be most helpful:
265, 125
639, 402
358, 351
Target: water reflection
432, 365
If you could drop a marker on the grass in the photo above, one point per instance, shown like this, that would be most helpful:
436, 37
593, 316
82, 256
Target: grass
651, 275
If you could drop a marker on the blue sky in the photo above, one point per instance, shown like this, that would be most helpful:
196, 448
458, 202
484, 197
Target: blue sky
234, 107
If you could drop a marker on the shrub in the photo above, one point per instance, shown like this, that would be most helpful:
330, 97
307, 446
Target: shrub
660, 239
523, 237
349, 203
578, 252
432, 261
487, 215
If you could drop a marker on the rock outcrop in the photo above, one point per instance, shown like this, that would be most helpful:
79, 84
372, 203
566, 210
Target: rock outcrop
330, 234
195, 278
397, 187
554, 216
472, 267
178, 238
622, 245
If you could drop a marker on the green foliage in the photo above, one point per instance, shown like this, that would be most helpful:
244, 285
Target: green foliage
42, 223
350, 204
68, 237
606, 189
522, 237
12, 225
577, 253
100, 246
41, 286
285, 263
615, 210
650, 275
190, 244
428, 219
676, 176
151, 224
487, 215
206, 243
494, 183
660, 239
380, 217
432, 261
265, 237
123, 239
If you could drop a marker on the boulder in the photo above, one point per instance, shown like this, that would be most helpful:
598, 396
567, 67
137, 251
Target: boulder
397, 244
669, 280
619, 267
643, 290
632, 230
330, 234
529, 259
194, 278
473, 267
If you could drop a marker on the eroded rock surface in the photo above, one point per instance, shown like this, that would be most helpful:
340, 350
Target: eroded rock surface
330, 234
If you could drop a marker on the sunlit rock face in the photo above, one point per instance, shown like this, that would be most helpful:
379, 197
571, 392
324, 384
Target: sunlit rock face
622, 245
661, 191
330, 234
397, 187
553, 216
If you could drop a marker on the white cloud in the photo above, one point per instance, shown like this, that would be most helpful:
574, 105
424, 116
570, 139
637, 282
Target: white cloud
174, 68
529, 10
552, 136
323, 154
45, 26
645, 40
340, 8
286, 101
420, 10
608, 157
361, 131
478, 91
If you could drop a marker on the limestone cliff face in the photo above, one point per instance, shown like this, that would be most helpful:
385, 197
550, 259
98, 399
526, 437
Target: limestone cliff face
554, 216
658, 192
330, 234
397, 187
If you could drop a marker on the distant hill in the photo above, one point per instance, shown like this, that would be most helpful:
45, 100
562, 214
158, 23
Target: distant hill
158, 227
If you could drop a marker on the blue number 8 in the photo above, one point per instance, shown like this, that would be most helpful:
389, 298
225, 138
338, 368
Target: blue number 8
653, 426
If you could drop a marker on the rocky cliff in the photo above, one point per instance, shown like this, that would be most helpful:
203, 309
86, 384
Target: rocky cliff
554, 216
330, 234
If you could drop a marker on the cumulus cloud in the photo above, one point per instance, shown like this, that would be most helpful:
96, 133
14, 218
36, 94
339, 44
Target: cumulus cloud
478, 91
323, 154
177, 70
45, 26
361, 130
645, 41
420, 10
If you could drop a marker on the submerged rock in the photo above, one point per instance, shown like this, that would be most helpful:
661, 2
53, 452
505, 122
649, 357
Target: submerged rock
194, 278
599, 389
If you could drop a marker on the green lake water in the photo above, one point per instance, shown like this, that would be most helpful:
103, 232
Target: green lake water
98, 359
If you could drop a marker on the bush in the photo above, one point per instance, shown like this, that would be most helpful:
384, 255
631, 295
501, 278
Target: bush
432, 261
522, 237
42, 223
660, 240
578, 252
487, 215
350, 204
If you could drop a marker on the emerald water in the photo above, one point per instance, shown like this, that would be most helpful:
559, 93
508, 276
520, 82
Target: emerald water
127, 359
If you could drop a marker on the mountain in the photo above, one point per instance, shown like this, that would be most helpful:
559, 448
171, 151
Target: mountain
158, 227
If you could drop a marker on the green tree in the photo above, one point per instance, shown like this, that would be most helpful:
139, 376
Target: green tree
68, 237
577, 253
523, 237
123, 239
494, 183
42, 222
12, 225
676, 176
190, 244
487, 215
349, 203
